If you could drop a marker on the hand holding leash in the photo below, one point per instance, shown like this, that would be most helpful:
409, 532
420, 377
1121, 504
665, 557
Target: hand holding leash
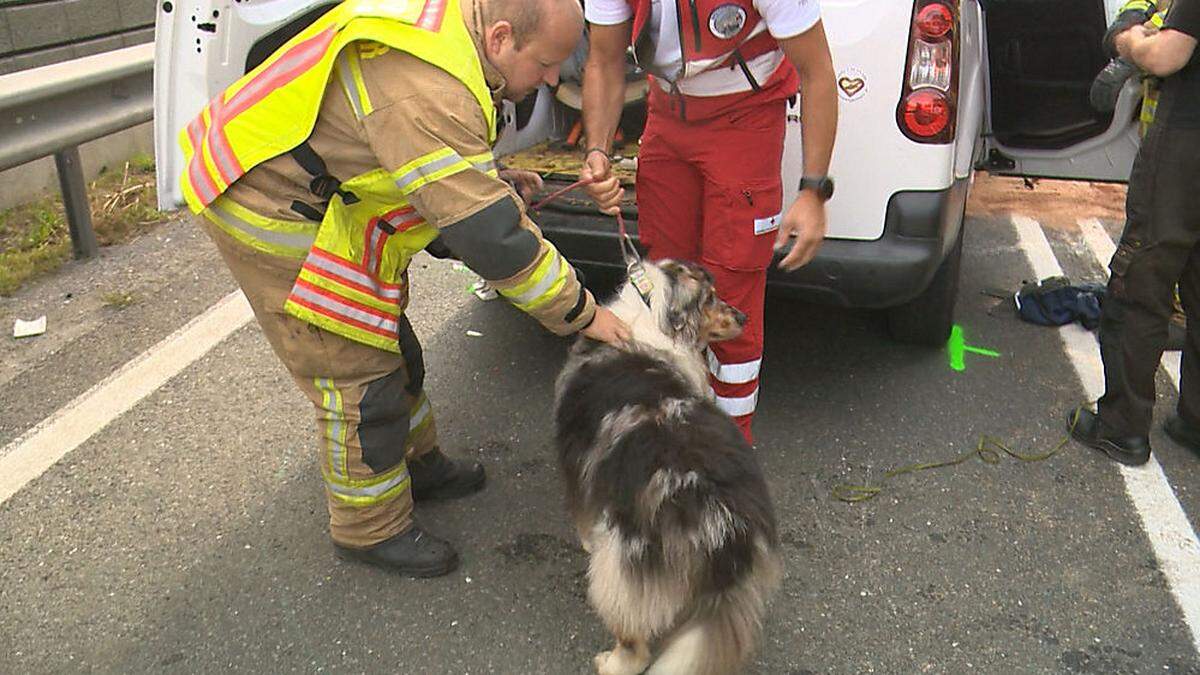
601, 184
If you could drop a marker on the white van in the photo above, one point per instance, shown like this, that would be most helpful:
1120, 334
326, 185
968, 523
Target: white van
1002, 86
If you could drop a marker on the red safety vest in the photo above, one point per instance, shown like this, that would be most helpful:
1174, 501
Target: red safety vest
713, 34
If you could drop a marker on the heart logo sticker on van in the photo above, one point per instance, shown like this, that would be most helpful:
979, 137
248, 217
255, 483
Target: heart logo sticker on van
852, 84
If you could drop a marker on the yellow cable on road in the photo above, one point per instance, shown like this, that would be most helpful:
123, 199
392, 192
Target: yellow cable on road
988, 450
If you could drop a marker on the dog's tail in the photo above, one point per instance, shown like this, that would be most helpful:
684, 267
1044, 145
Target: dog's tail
722, 632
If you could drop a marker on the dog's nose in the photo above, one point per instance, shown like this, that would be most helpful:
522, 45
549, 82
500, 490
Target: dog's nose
740, 317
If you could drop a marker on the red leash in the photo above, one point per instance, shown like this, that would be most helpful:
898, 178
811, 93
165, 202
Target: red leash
578, 184
633, 261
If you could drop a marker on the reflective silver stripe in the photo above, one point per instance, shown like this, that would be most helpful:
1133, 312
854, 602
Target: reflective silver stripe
543, 285
337, 429
357, 276
220, 151
374, 490
332, 305
369, 260
347, 77
426, 170
420, 415
486, 167
738, 407
733, 373
287, 239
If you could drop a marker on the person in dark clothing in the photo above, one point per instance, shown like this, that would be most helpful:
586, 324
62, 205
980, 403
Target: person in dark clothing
1159, 248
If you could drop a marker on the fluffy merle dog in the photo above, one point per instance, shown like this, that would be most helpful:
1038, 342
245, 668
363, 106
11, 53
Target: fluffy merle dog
666, 495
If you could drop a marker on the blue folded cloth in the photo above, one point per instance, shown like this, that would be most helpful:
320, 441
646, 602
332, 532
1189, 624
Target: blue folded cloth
1055, 301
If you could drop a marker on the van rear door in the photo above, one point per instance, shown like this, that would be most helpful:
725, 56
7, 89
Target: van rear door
1041, 59
199, 49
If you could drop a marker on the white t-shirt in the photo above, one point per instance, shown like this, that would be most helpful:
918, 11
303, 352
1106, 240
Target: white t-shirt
783, 18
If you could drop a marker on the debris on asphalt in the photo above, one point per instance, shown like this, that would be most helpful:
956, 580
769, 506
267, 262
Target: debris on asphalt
22, 329
484, 291
474, 333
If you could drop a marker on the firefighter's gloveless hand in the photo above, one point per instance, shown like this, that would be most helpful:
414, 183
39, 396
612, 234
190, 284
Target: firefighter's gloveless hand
607, 327
804, 226
604, 188
526, 183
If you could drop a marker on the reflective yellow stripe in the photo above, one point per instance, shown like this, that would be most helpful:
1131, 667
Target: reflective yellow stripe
428, 169
361, 86
375, 490
335, 426
420, 415
350, 73
485, 162
286, 238
545, 282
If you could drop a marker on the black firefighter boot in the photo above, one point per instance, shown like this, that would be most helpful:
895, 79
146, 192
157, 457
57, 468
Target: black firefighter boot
1086, 427
435, 476
414, 552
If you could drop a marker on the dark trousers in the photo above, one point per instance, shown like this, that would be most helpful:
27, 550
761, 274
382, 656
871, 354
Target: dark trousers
1158, 249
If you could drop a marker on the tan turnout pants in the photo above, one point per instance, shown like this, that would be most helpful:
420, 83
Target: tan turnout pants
372, 413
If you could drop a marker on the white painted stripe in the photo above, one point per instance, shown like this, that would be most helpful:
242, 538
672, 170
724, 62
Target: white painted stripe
733, 373
35, 451
737, 407
1102, 246
1079, 343
1097, 239
1166, 525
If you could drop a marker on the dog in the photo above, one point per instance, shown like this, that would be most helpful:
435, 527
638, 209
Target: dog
666, 494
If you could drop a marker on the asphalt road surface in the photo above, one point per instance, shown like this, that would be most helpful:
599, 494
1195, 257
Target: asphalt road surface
184, 530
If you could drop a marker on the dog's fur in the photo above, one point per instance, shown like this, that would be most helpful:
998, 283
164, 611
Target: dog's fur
665, 493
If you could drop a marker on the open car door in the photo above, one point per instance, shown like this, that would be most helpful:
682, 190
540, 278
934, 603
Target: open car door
1042, 58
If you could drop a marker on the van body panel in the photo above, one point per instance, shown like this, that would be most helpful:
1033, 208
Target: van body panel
873, 160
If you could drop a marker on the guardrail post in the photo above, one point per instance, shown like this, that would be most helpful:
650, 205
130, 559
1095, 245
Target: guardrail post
75, 199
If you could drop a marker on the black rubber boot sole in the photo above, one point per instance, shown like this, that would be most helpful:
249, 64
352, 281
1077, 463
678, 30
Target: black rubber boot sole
364, 556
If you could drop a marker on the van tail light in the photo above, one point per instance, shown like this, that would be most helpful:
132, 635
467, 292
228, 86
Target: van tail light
929, 99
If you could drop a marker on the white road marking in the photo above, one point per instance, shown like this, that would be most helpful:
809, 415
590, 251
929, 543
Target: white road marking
1166, 525
35, 451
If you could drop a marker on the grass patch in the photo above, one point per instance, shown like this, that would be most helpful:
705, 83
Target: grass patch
35, 239
118, 299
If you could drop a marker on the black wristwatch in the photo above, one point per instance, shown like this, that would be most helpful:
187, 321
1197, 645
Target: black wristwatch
822, 185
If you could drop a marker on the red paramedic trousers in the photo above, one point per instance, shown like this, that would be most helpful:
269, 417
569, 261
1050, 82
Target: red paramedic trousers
711, 191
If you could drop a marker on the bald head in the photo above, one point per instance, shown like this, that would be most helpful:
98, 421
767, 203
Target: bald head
526, 17
527, 40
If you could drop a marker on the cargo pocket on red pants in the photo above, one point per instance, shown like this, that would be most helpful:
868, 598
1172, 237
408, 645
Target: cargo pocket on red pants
741, 224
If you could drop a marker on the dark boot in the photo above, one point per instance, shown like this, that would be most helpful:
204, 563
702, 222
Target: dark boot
414, 552
436, 476
1089, 430
1183, 433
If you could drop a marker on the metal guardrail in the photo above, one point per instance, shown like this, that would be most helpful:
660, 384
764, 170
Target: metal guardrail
53, 109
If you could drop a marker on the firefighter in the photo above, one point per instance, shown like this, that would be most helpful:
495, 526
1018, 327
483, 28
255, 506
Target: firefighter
709, 184
323, 171
1108, 83
1158, 249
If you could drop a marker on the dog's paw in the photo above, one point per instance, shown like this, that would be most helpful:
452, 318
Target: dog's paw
604, 663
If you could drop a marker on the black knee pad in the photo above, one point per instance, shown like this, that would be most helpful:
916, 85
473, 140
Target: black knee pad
383, 427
